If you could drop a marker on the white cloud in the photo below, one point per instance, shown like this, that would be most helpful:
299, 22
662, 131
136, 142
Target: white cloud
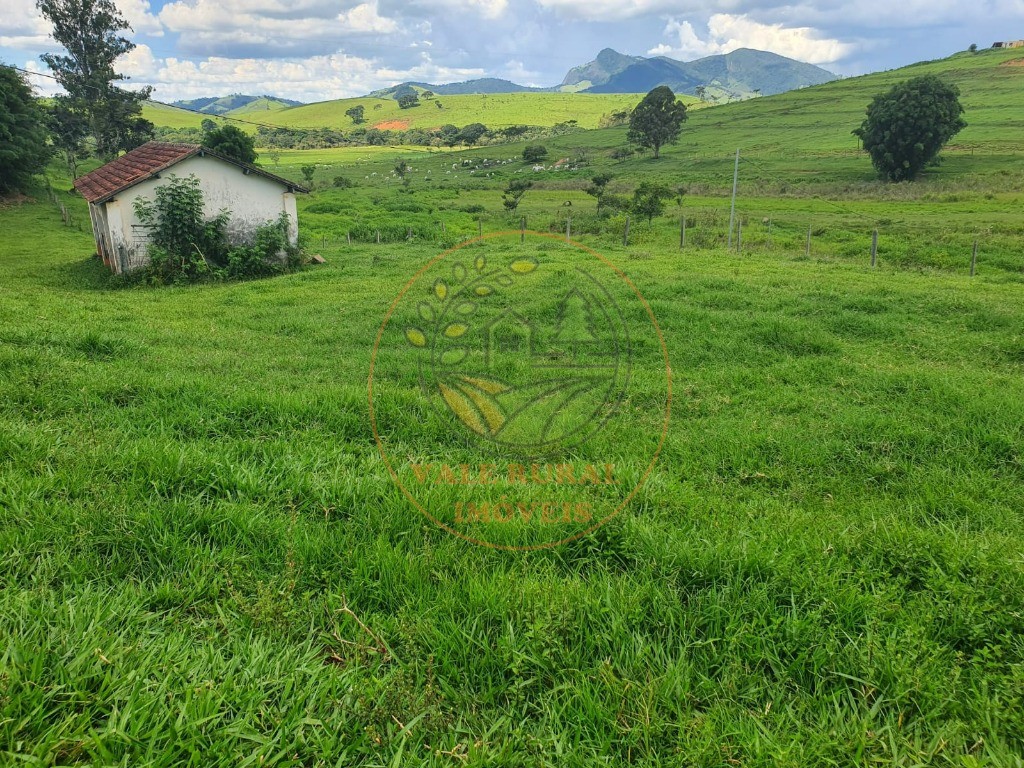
25, 28
316, 78
727, 32
217, 27
517, 72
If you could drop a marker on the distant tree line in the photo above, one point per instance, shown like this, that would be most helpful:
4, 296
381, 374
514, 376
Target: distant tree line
474, 134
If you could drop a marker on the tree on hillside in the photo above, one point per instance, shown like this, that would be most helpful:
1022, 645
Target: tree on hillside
231, 142
402, 169
657, 119
88, 31
649, 200
69, 129
449, 134
23, 149
514, 193
472, 133
408, 100
598, 188
700, 92
208, 125
907, 126
356, 114
534, 153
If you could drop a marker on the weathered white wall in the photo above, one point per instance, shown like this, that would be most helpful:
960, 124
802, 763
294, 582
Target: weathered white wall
252, 199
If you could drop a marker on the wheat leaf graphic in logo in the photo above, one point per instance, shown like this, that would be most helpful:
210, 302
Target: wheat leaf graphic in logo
472, 401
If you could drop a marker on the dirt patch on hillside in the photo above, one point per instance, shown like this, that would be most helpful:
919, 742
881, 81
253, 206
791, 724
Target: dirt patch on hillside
393, 125
1013, 63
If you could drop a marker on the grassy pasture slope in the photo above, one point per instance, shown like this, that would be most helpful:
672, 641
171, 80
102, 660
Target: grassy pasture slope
824, 568
494, 110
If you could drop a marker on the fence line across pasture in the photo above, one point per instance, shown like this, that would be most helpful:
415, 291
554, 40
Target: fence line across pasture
699, 229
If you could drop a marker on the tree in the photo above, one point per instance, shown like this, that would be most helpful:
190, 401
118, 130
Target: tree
449, 135
472, 133
428, 95
402, 171
208, 125
231, 142
649, 200
514, 193
700, 92
23, 149
534, 153
356, 114
973, 48
307, 173
907, 126
87, 29
598, 187
408, 100
657, 119
69, 128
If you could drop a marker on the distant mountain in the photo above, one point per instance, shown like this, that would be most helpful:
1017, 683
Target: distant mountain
219, 105
739, 74
598, 72
482, 85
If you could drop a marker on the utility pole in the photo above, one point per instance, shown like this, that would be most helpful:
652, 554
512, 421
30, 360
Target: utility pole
732, 208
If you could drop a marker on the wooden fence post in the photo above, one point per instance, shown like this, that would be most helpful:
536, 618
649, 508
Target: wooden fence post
568, 228
874, 247
974, 256
378, 237
625, 235
682, 231
808, 240
348, 236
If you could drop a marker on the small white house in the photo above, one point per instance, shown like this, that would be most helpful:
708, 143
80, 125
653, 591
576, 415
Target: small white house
252, 195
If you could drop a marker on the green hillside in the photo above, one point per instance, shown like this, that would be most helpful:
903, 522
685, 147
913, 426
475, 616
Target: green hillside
263, 105
167, 116
804, 136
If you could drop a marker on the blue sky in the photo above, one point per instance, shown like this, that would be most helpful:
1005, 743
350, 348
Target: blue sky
314, 50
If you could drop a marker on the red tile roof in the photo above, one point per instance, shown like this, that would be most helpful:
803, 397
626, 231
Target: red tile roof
144, 162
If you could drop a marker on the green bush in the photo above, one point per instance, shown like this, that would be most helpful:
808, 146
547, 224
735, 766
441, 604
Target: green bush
267, 253
185, 246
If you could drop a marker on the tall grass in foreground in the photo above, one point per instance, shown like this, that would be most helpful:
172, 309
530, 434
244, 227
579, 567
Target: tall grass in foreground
203, 561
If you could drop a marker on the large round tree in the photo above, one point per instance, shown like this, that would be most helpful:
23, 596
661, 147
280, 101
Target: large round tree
657, 120
907, 125
231, 142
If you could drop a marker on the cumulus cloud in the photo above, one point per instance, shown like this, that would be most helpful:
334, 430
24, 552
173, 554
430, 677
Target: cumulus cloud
24, 27
316, 78
274, 28
728, 32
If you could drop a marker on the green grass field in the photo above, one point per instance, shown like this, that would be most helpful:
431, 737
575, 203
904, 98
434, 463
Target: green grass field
495, 110
205, 561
